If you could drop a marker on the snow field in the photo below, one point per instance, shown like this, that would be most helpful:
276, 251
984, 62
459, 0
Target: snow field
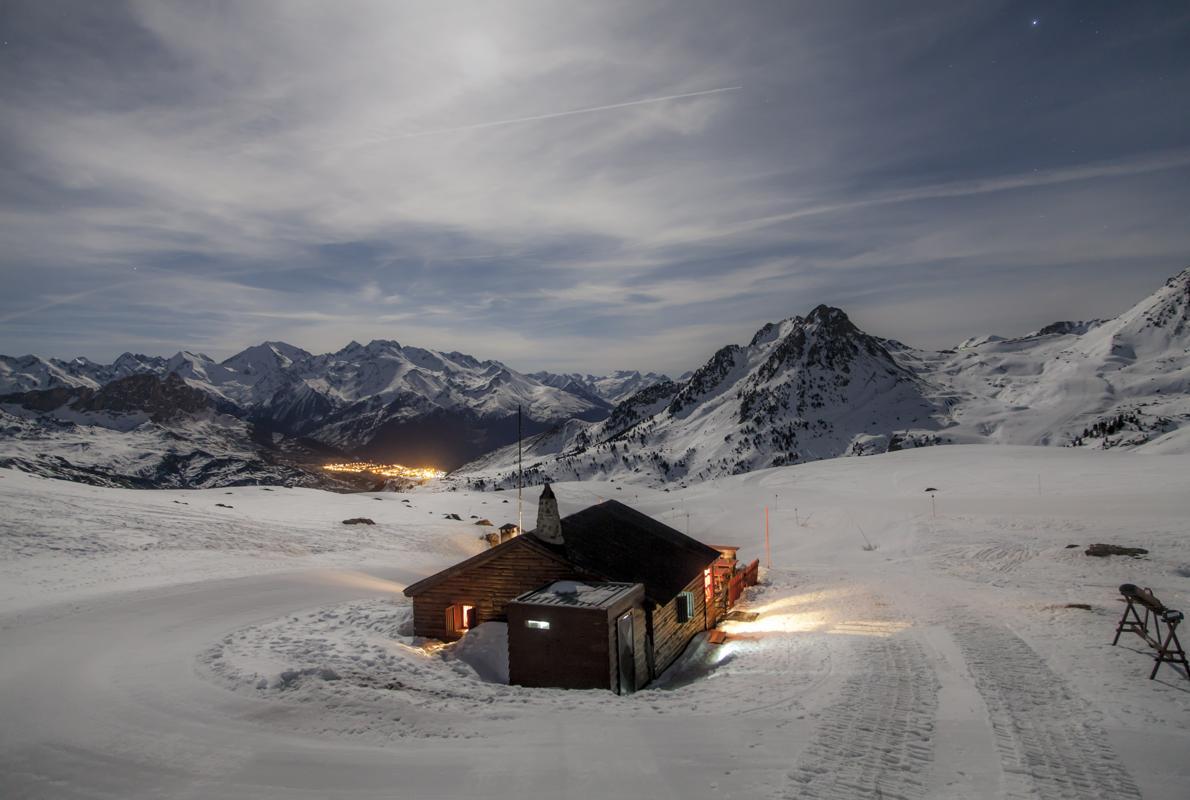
269, 656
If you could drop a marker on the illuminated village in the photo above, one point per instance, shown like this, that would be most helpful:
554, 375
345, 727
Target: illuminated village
387, 470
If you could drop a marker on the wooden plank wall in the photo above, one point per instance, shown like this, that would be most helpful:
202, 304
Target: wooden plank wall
669, 637
572, 654
488, 587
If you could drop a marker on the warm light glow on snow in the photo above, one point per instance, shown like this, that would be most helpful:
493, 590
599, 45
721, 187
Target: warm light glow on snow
429, 647
794, 600
358, 580
777, 623
387, 470
869, 627
808, 612
811, 621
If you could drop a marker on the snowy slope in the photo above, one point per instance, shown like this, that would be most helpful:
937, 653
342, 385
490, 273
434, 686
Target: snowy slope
148, 432
158, 644
1050, 387
200, 451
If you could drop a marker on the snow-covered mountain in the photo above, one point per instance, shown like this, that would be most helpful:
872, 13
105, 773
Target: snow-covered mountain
613, 388
381, 400
1069, 378
817, 387
29, 372
802, 389
805, 388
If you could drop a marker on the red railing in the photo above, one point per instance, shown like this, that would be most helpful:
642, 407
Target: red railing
735, 587
741, 580
752, 573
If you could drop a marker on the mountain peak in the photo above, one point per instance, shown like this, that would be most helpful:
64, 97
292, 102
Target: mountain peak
831, 321
823, 312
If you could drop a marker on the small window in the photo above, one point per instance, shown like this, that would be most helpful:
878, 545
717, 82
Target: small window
539, 624
685, 607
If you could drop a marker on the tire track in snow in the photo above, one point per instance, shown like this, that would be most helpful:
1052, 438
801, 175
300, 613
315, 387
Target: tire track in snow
1049, 743
876, 741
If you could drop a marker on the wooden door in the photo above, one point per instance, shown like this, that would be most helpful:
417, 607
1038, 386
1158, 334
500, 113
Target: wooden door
626, 647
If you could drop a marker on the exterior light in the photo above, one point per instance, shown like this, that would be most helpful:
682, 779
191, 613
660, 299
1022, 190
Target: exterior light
539, 624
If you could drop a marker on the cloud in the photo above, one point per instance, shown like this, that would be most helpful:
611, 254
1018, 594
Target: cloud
475, 126
601, 179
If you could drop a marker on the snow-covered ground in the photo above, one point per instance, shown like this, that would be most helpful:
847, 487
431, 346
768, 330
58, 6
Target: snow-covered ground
159, 644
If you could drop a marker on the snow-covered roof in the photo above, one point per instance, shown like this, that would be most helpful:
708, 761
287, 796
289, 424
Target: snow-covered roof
580, 594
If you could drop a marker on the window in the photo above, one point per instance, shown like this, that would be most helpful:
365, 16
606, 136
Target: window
685, 607
539, 624
460, 618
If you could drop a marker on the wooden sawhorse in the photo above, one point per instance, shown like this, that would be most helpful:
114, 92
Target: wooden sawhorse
1169, 649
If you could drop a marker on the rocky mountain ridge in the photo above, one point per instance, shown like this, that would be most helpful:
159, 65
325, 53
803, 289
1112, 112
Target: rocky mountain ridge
817, 387
381, 399
804, 388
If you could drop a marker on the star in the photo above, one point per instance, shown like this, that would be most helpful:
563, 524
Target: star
1035, 22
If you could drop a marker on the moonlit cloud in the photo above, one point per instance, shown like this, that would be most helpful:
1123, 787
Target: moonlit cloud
579, 186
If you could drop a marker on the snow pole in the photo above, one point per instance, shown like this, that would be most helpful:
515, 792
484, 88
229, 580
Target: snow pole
768, 553
520, 476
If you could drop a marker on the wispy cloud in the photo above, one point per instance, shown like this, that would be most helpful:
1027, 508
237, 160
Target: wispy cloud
1162, 162
571, 183
551, 115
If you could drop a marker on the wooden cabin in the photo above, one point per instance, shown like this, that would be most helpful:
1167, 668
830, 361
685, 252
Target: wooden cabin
608, 543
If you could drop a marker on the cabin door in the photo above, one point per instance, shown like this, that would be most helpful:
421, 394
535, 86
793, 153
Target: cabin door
626, 645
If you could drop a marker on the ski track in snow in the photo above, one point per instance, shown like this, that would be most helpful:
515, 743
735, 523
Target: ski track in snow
1050, 745
876, 740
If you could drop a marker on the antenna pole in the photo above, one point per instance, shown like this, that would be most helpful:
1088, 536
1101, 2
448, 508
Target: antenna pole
520, 476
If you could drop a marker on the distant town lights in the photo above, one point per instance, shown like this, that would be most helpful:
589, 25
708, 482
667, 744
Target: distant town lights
387, 470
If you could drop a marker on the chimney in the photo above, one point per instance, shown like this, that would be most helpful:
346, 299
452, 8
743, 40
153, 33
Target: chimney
549, 523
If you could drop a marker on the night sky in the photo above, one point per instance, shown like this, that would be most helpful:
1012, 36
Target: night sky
581, 186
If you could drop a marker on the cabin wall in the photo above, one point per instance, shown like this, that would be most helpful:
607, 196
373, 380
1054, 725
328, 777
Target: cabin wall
669, 637
488, 586
572, 654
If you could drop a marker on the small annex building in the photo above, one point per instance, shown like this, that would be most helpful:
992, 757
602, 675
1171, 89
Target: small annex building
573, 635
604, 598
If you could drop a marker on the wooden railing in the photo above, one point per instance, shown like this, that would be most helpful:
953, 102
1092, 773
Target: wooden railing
752, 573
741, 580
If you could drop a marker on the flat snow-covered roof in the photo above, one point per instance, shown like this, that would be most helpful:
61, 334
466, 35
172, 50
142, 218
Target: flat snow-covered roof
578, 594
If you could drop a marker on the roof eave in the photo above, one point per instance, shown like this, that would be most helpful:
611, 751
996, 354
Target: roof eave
524, 540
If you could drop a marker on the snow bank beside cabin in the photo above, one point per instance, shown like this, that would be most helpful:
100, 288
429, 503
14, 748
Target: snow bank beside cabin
485, 649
